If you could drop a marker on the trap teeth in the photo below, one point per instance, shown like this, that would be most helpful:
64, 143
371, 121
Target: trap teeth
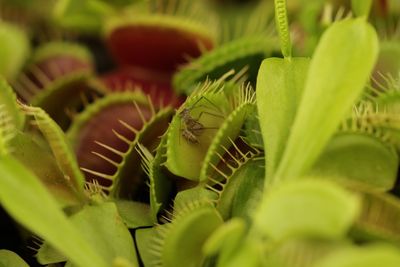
154, 83
57, 59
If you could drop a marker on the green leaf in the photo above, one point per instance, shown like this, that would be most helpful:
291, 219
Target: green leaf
280, 85
160, 185
366, 256
242, 189
134, 214
34, 208
65, 158
307, 208
10, 259
34, 157
226, 237
104, 229
196, 194
377, 162
187, 235
144, 238
338, 73
48, 255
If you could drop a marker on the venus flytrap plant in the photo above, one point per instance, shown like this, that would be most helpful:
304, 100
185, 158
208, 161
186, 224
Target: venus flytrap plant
180, 26
321, 115
110, 156
37, 210
80, 239
59, 146
228, 186
102, 227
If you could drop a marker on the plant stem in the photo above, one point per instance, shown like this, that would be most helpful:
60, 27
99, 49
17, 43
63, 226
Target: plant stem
282, 25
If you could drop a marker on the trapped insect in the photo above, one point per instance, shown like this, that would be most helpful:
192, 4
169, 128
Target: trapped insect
192, 128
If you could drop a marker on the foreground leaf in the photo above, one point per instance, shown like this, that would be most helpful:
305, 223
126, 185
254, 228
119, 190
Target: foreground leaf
34, 208
307, 208
338, 72
104, 229
10, 259
280, 85
368, 256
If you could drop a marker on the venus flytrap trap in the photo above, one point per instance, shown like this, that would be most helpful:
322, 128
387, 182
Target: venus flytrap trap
378, 219
367, 135
66, 235
192, 131
160, 185
109, 155
246, 52
231, 178
180, 25
192, 221
240, 190
44, 92
54, 59
59, 146
243, 101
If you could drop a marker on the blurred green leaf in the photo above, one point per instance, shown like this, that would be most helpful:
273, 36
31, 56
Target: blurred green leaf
27, 201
